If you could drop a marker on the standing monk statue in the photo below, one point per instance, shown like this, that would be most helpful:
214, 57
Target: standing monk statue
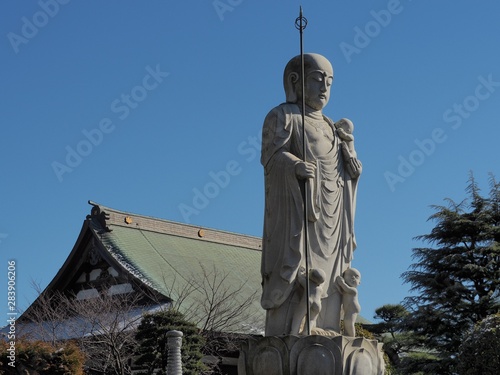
331, 176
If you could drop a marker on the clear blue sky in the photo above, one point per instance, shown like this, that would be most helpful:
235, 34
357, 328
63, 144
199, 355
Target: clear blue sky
138, 105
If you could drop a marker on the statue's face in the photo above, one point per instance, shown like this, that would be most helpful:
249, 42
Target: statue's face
317, 88
352, 278
319, 78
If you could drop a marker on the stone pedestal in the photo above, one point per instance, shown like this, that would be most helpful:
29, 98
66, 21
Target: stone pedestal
311, 355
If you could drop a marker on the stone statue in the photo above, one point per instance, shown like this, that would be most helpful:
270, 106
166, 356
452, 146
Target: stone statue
316, 281
325, 183
348, 284
331, 170
344, 130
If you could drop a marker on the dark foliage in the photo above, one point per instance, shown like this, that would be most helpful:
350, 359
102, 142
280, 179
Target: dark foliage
480, 352
152, 338
456, 282
38, 357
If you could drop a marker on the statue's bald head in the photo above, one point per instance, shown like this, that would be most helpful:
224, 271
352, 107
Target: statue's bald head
317, 276
352, 271
352, 277
292, 73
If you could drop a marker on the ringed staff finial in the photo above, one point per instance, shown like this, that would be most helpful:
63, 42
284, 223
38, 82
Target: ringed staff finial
300, 24
300, 21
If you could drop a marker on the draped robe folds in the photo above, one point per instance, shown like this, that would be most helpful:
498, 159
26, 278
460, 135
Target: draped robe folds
331, 208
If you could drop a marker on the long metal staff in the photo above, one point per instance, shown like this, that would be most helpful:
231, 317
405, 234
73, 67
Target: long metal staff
300, 24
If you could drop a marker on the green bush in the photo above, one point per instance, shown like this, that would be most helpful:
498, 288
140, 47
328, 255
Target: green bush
480, 350
41, 358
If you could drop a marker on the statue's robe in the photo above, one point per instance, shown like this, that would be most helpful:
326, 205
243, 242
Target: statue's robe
331, 208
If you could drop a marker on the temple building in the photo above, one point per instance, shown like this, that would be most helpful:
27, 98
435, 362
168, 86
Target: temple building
119, 253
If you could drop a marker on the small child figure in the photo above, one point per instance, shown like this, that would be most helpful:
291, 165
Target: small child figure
316, 279
348, 284
345, 128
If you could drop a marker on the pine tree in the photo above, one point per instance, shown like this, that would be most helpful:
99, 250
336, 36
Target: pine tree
389, 331
456, 282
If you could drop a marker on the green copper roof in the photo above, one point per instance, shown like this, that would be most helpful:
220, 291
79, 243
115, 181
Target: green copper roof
186, 264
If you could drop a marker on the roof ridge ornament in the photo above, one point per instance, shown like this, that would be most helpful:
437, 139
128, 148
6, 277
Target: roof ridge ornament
98, 216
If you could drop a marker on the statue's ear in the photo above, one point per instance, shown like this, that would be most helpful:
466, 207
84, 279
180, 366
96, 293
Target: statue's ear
290, 87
